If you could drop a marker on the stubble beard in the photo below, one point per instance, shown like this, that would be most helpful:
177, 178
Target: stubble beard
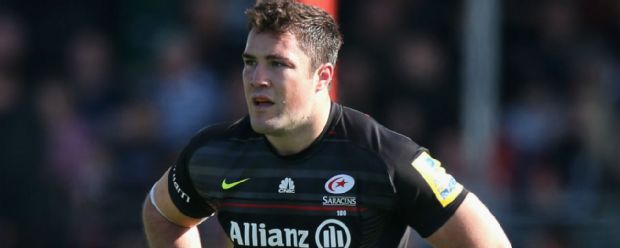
280, 126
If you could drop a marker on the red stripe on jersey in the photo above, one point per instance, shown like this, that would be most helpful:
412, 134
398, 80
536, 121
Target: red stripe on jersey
293, 207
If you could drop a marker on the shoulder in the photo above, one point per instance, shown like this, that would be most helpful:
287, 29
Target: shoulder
239, 129
367, 133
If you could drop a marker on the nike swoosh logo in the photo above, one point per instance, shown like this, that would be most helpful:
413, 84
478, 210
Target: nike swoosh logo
226, 186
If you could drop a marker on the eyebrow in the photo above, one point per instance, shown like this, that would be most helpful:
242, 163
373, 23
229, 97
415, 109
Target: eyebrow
268, 57
247, 56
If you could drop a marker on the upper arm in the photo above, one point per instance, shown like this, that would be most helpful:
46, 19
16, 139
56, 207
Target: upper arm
472, 225
162, 201
442, 210
164, 224
427, 195
175, 195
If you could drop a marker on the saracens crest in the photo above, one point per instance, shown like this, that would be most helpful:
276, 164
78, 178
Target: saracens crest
339, 184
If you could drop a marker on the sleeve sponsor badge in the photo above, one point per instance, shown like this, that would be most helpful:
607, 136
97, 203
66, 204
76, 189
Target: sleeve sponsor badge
444, 186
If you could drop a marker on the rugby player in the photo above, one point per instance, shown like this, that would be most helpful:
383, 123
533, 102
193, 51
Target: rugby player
302, 171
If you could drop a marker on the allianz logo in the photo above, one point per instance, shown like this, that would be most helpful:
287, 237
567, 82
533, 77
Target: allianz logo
331, 233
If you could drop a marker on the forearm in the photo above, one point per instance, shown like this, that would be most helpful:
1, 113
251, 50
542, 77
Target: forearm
162, 233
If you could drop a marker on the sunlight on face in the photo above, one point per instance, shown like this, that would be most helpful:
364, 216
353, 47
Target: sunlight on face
279, 87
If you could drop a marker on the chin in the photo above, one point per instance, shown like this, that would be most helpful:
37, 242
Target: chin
265, 127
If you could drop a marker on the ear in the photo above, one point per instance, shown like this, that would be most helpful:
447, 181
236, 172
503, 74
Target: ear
325, 74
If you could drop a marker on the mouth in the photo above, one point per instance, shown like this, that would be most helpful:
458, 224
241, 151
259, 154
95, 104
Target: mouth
262, 101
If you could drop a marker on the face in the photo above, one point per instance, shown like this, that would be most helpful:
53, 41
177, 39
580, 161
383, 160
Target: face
279, 87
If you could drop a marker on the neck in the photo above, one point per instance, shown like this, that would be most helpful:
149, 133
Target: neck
298, 139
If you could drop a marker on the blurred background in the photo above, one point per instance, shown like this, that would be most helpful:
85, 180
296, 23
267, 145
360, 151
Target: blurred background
519, 100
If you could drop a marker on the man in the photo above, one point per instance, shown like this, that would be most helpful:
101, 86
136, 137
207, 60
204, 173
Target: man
301, 171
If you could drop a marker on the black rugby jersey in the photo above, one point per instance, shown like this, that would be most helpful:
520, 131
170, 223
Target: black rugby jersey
358, 185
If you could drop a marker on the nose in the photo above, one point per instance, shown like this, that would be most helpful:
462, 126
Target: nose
260, 77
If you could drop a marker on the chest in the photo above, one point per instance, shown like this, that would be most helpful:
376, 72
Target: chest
331, 199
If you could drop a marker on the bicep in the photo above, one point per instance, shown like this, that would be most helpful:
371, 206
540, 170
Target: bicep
160, 232
164, 224
428, 196
472, 225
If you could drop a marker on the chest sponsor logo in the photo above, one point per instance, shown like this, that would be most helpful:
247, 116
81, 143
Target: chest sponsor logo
330, 233
287, 185
339, 184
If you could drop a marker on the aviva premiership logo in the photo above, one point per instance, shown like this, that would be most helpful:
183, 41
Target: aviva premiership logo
444, 186
330, 233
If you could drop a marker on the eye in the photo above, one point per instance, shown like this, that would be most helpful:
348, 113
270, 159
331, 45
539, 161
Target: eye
249, 62
278, 64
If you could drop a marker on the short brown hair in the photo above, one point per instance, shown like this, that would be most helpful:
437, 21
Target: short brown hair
317, 32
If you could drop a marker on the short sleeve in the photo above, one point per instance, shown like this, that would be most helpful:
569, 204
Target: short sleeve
182, 190
427, 195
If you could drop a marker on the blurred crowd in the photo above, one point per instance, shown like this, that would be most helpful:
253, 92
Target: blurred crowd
98, 97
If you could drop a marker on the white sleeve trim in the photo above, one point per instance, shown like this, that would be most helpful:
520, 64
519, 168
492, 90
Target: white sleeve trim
152, 199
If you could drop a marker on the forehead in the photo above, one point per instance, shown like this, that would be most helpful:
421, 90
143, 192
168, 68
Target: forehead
262, 44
